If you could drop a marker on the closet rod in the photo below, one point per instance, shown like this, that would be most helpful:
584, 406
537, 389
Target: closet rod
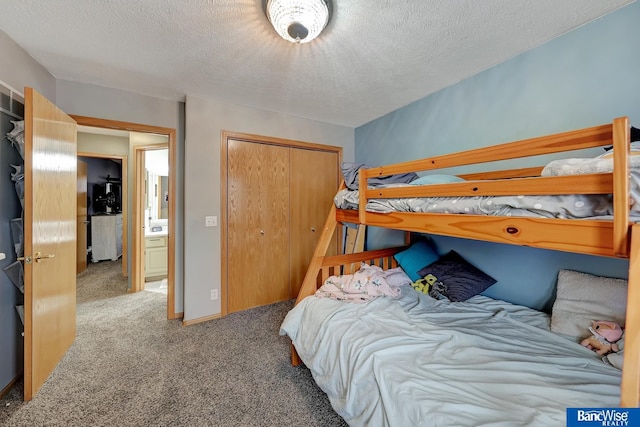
9, 113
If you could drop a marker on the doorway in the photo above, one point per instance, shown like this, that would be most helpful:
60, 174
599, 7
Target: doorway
135, 257
152, 201
107, 208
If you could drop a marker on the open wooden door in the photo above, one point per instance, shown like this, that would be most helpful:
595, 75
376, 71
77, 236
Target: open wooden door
49, 238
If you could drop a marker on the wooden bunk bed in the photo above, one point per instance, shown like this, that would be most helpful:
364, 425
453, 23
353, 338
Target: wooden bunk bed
617, 237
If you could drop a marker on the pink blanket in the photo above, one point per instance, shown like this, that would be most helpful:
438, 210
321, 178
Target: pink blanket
365, 284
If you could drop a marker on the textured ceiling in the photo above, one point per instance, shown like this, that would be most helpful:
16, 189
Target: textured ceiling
374, 57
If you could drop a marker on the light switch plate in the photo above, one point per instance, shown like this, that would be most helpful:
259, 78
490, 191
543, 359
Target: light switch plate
210, 221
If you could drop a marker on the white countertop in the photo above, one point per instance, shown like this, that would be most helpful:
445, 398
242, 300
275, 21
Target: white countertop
162, 233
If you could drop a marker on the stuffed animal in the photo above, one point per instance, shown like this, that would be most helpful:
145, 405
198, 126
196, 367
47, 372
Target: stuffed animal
430, 285
605, 335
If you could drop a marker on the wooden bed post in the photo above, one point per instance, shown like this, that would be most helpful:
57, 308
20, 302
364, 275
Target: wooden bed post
630, 389
621, 151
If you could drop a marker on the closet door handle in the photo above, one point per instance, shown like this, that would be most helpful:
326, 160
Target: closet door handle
262, 232
313, 229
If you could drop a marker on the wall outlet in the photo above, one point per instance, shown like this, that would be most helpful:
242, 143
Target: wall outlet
210, 221
214, 294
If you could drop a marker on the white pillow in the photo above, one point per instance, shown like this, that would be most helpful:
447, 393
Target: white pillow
582, 297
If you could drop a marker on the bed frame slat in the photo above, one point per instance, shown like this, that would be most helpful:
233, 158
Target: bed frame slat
596, 136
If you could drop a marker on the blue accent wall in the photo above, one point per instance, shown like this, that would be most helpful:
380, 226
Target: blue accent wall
584, 78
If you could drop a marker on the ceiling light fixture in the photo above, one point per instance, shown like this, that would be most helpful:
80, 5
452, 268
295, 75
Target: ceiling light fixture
298, 21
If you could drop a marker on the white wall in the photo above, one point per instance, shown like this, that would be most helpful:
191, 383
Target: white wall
18, 69
205, 120
114, 104
103, 144
157, 162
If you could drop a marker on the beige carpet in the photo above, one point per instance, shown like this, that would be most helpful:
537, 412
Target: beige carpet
129, 366
101, 280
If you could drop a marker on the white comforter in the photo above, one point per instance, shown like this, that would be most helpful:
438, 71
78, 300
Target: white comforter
417, 361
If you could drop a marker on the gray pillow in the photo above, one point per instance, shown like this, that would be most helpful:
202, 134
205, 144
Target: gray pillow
351, 170
583, 297
461, 279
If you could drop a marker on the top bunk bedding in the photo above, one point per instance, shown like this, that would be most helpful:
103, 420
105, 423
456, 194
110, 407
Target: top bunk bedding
581, 205
570, 206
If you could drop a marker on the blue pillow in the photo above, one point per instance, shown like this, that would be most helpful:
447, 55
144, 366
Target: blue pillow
436, 178
415, 257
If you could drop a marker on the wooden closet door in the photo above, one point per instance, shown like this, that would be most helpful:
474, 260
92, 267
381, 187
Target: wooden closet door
314, 183
258, 224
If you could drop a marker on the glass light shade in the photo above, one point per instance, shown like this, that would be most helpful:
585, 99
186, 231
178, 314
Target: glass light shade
298, 21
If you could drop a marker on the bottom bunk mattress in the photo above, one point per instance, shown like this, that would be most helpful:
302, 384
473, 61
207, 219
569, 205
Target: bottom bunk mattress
419, 361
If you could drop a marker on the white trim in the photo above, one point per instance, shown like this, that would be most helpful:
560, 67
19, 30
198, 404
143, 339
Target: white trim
13, 95
17, 92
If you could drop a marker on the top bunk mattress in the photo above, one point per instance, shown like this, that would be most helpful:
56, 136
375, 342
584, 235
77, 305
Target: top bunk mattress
570, 206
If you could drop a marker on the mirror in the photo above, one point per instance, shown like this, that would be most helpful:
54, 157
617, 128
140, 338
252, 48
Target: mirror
157, 187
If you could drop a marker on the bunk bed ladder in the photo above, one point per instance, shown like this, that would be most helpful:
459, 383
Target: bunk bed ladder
354, 241
309, 284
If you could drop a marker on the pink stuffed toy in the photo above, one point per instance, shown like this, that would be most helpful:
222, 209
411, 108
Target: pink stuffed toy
605, 335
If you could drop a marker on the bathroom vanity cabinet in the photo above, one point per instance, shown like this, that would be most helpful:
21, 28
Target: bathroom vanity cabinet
155, 257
